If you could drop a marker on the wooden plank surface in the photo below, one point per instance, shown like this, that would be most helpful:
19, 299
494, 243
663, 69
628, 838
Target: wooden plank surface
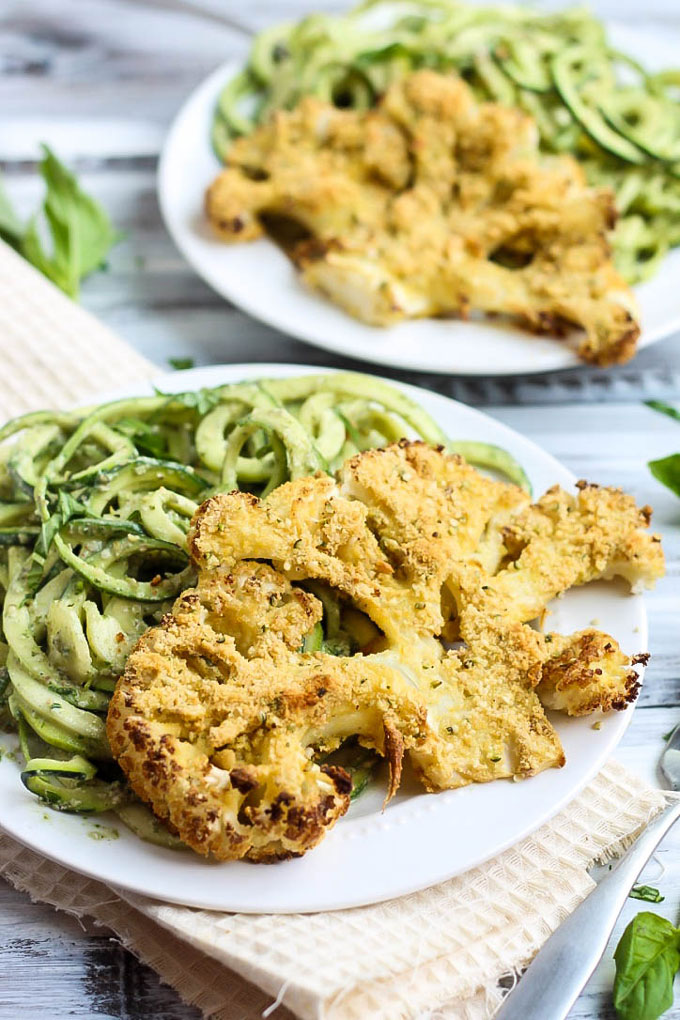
100, 80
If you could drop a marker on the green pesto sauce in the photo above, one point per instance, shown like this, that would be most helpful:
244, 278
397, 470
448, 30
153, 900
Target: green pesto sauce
103, 832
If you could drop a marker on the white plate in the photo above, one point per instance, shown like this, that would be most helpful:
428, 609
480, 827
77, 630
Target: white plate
260, 279
421, 839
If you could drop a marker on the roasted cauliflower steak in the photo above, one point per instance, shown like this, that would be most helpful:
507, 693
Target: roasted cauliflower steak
433, 204
222, 717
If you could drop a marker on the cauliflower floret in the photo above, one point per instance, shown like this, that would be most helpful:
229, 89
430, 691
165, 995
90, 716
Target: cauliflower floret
432, 204
224, 714
586, 672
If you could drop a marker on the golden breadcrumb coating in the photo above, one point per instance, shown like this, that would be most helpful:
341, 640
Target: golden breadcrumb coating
433, 204
221, 716
588, 671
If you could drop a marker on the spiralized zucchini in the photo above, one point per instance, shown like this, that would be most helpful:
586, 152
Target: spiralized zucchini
620, 122
95, 507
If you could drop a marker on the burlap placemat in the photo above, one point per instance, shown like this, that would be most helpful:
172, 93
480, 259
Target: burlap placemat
438, 953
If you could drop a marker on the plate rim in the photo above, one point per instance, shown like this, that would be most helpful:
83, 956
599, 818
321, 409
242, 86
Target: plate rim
428, 804
204, 95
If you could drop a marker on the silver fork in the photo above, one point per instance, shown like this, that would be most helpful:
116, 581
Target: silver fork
559, 971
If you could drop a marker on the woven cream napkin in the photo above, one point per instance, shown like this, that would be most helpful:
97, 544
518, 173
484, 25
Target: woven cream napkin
438, 953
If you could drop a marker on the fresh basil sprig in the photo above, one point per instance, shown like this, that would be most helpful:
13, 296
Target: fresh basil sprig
663, 408
80, 230
11, 227
647, 959
667, 469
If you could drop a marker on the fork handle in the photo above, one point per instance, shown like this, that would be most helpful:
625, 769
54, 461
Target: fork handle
558, 973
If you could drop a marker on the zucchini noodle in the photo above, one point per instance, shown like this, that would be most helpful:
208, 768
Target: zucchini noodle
620, 122
95, 507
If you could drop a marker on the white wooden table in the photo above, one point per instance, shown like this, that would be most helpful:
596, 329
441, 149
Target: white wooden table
100, 80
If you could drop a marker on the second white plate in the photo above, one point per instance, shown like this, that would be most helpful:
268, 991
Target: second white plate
261, 280
370, 855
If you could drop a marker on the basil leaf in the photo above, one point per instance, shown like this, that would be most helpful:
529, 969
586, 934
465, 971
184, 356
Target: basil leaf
667, 471
11, 227
179, 364
70, 507
143, 436
646, 959
80, 230
32, 250
663, 408
201, 400
646, 892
